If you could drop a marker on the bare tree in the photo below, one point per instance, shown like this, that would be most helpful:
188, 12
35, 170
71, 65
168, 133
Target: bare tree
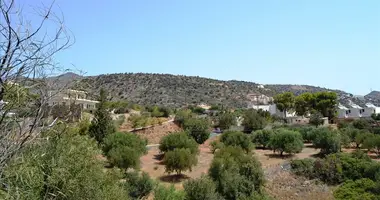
27, 50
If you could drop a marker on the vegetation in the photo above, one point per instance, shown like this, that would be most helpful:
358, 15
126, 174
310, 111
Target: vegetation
316, 119
177, 141
164, 193
327, 140
124, 149
284, 102
364, 189
236, 174
139, 186
215, 145
253, 121
179, 160
200, 189
102, 124
262, 137
182, 115
286, 141
197, 129
226, 120
237, 139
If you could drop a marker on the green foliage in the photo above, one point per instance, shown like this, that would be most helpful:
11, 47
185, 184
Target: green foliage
226, 120
177, 141
253, 121
215, 145
329, 170
61, 167
373, 143
363, 189
139, 186
237, 139
286, 141
316, 119
200, 189
361, 124
164, 193
327, 140
284, 101
262, 137
303, 167
197, 129
179, 159
304, 104
326, 103
84, 126
124, 149
361, 137
236, 174
375, 117
119, 121
182, 115
102, 124
197, 110
307, 133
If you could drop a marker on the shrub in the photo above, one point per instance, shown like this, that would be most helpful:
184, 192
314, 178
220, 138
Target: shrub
182, 115
307, 133
84, 126
197, 129
372, 143
303, 167
286, 141
236, 174
163, 193
177, 141
262, 137
200, 189
253, 121
215, 145
124, 157
139, 186
361, 137
327, 140
361, 124
360, 189
226, 120
329, 170
237, 139
316, 119
178, 160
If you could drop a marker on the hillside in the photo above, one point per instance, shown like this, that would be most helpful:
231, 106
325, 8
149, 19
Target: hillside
178, 90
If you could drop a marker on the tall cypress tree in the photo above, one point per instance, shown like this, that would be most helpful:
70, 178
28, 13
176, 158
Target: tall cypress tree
102, 124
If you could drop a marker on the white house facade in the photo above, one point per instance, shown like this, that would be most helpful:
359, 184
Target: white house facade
354, 111
272, 109
68, 97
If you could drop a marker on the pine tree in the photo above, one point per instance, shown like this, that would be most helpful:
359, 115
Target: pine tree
102, 124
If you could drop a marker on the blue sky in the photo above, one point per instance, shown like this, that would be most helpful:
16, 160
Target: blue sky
334, 44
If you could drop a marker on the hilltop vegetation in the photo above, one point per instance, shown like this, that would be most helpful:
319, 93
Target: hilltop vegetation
177, 90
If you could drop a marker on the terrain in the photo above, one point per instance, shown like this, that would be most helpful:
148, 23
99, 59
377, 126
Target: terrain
177, 90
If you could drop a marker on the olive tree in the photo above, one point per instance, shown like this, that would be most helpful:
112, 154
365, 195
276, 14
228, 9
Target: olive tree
197, 129
179, 160
237, 139
287, 141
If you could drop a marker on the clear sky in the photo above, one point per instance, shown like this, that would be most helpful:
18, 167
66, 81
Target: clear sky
328, 43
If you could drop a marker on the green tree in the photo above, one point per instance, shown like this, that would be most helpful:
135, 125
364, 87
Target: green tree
316, 119
360, 189
179, 160
262, 137
226, 120
236, 174
304, 104
197, 129
326, 103
102, 124
361, 137
237, 139
139, 186
182, 115
327, 140
200, 189
253, 121
284, 102
62, 165
164, 193
373, 144
177, 141
286, 141
124, 149
361, 124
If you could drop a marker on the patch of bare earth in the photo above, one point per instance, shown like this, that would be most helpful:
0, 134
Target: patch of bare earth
155, 133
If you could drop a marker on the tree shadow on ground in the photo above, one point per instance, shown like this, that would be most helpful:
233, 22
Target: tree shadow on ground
175, 178
159, 157
276, 155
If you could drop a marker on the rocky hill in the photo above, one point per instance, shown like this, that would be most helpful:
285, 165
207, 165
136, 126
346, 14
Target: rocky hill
178, 90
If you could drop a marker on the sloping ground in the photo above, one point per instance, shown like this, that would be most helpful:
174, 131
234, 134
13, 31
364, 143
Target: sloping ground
155, 133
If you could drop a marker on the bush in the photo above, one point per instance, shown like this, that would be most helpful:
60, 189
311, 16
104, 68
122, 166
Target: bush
372, 143
197, 129
84, 126
362, 189
316, 119
303, 167
163, 193
307, 133
237, 139
329, 170
139, 186
361, 124
200, 189
124, 157
262, 137
286, 141
236, 174
226, 120
179, 159
182, 115
327, 140
177, 141
253, 121
215, 145
361, 137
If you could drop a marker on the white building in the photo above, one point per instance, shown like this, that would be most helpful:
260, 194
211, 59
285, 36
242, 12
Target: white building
67, 97
272, 109
354, 111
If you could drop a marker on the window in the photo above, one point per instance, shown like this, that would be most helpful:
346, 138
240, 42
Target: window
349, 111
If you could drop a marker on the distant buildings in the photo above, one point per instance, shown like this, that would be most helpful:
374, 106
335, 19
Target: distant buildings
272, 109
354, 111
68, 97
